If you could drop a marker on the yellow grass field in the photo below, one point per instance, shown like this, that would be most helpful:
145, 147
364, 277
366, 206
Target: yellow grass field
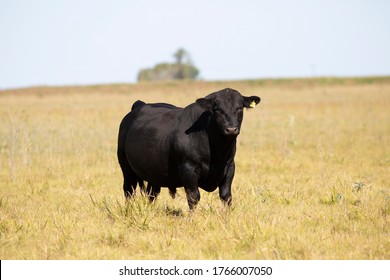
312, 175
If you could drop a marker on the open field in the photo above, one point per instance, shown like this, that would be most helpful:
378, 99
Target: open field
312, 176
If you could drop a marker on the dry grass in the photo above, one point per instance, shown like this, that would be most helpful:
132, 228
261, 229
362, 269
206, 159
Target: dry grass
312, 178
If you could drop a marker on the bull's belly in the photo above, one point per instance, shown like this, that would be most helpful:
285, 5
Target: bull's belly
155, 172
158, 173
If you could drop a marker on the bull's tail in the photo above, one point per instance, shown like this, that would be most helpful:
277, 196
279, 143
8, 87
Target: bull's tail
137, 104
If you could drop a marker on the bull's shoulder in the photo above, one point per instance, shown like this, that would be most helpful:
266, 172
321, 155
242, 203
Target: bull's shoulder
191, 132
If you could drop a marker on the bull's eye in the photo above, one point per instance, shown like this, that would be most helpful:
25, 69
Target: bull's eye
217, 109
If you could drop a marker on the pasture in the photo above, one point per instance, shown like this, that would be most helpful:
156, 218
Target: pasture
312, 175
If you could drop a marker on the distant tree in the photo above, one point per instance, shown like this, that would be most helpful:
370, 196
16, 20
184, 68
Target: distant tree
179, 55
182, 69
186, 71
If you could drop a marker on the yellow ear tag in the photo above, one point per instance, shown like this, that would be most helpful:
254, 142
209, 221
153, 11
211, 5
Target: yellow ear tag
253, 104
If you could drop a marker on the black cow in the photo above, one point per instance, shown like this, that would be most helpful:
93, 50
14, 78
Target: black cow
189, 147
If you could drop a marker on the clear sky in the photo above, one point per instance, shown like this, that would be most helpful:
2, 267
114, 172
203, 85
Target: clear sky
72, 42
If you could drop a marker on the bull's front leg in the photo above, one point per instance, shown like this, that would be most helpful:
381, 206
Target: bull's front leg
225, 188
189, 177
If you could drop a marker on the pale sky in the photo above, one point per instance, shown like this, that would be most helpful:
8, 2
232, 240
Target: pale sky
77, 42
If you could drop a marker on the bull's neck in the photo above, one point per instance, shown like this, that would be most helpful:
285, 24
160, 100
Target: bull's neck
222, 148
222, 145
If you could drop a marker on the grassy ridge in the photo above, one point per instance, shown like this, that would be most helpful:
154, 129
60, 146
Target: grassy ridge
312, 177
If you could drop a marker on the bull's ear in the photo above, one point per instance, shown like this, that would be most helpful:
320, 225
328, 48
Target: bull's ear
205, 103
251, 102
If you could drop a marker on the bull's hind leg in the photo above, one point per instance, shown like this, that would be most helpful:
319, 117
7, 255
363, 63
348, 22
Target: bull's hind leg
172, 192
142, 186
152, 192
129, 178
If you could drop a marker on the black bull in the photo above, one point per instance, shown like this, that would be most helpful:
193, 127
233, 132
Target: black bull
187, 147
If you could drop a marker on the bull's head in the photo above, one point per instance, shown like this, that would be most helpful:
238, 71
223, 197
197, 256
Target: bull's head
226, 107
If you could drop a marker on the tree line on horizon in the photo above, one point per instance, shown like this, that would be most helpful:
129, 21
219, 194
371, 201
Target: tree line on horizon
181, 69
